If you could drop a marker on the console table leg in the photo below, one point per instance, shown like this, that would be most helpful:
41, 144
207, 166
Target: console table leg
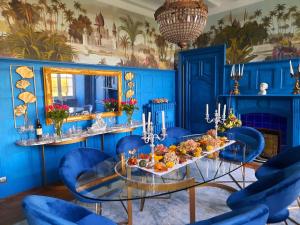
192, 195
102, 142
44, 175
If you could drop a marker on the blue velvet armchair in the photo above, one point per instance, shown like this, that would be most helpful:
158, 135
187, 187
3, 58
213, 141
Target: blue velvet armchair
128, 143
279, 162
75, 163
277, 192
254, 215
174, 134
254, 142
42, 210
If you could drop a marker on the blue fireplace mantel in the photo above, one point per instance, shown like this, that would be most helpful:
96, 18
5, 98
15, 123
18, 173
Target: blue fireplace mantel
279, 101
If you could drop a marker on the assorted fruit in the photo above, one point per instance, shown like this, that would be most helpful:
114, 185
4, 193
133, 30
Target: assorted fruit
167, 157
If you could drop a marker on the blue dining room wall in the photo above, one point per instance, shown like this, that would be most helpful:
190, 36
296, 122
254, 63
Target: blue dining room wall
279, 101
22, 165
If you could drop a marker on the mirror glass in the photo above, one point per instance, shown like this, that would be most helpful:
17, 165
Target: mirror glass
83, 91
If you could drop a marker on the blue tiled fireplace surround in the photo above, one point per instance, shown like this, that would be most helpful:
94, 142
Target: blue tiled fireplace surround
268, 121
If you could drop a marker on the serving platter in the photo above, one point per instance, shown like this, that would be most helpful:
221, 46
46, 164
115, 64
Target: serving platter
189, 161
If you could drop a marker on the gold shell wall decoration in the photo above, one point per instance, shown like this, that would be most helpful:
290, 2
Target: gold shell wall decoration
22, 84
25, 72
129, 76
130, 84
27, 97
129, 93
20, 110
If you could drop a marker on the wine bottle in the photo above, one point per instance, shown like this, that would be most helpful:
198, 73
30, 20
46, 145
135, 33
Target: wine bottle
39, 129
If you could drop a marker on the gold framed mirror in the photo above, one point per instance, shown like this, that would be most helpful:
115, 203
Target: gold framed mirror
83, 90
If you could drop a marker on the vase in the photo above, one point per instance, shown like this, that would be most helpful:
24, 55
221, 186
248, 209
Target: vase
129, 117
58, 128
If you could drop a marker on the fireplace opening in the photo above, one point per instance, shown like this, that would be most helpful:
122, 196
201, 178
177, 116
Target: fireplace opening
274, 129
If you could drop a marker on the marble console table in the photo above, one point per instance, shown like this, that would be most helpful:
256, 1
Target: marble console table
74, 138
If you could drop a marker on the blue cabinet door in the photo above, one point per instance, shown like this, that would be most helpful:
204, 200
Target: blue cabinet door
199, 82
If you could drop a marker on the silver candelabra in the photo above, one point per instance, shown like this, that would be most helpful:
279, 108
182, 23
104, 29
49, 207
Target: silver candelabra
217, 120
150, 137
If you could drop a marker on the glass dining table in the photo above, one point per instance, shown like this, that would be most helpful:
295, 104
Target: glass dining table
114, 180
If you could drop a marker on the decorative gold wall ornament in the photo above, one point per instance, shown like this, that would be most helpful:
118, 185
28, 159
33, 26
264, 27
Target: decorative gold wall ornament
130, 84
129, 76
25, 72
27, 97
129, 93
20, 110
23, 84
182, 21
47, 71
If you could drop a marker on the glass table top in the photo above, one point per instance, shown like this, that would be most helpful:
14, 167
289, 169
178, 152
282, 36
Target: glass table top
110, 180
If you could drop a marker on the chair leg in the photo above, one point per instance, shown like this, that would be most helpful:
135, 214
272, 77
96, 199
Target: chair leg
142, 204
293, 221
98, 208
285, 223
244, 175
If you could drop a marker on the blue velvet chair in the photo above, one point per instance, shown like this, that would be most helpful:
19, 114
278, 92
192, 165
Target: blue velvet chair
174, 135
276, 164
75, 163
277, 192
254, 215
128, 143
42, 210
254, 142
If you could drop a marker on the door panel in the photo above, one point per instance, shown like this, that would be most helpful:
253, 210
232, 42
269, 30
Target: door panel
199, 84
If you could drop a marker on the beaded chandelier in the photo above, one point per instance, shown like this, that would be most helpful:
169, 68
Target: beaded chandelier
181, 21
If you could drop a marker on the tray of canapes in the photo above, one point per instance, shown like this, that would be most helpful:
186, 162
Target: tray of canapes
168, 159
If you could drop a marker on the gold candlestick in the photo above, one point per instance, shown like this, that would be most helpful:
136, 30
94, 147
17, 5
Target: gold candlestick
236, 76
296, 76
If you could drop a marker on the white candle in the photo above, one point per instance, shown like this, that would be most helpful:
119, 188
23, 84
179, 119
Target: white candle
299, 67
144, 122
242, 70
231, 74
224, 111
291, 68
149, 120
219, 109
239, 69
163, 119
207, 110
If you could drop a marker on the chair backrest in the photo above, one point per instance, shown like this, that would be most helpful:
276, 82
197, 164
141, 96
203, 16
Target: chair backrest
285, 158
254, 140
77, 161
277, 192
42, 210
254, 215
177, 132
128, 143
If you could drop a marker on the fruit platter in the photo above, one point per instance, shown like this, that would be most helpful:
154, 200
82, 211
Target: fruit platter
168, 159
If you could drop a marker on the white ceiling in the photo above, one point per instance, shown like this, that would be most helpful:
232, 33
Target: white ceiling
148, 7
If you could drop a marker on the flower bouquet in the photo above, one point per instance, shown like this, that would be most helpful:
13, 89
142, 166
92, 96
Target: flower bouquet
57, 113
110, 104
129, 108
230, 122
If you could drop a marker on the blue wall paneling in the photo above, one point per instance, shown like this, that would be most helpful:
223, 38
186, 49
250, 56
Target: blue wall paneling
199, 82
22, 165
279, 101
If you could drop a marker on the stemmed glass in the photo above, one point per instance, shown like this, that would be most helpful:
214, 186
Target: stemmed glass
21, 130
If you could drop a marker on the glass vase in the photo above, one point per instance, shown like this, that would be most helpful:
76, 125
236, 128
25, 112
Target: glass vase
58, 128
129, 118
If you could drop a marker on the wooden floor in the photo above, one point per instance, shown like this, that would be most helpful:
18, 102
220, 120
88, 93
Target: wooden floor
11, 208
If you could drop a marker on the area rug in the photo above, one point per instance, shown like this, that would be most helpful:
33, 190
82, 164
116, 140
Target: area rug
175, 211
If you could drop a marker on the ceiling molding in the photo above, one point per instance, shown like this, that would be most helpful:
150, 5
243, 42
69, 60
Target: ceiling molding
147, 8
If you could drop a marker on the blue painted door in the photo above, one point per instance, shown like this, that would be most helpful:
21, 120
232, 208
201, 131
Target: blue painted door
199, 82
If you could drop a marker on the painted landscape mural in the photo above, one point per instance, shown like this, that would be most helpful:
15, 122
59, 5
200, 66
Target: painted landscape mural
81, 31
269, 30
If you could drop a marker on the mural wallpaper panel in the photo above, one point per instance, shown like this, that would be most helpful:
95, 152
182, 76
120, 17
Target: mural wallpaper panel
84, 31
268, 30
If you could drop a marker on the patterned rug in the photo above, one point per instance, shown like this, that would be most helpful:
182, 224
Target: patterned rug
175, 211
